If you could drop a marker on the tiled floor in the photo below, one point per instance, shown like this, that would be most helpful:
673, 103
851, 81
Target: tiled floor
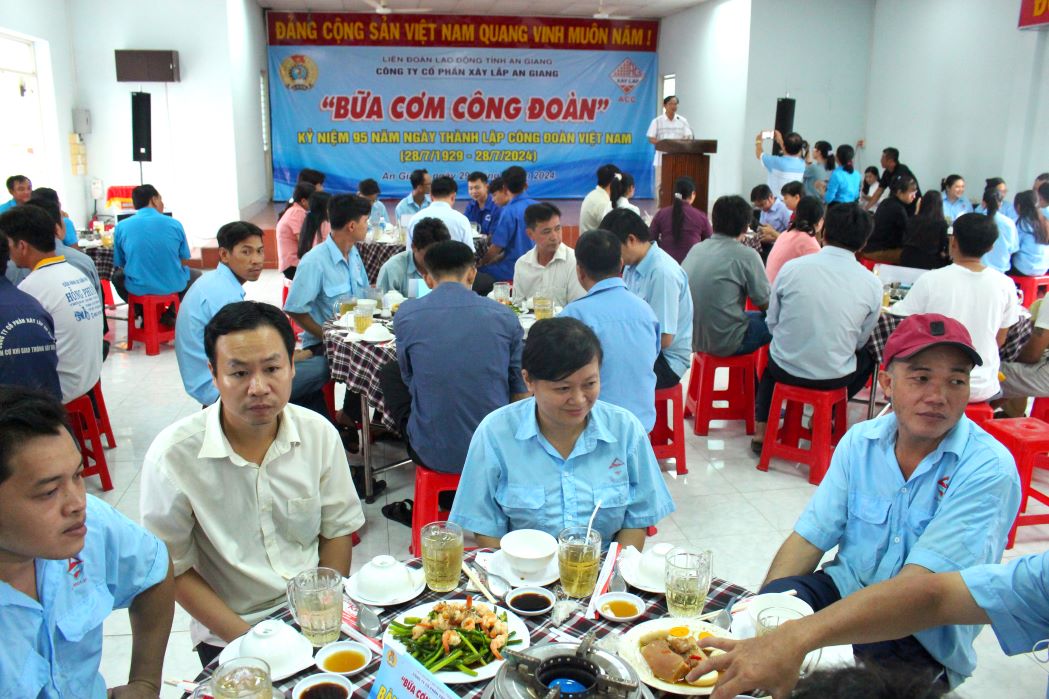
723, 503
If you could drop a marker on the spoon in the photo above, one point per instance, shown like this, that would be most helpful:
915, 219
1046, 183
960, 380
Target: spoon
486, 579
368, 621
617, 583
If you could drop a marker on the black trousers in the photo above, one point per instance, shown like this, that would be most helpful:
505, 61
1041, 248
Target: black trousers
207, 653
665, 376
398, 402
774, 374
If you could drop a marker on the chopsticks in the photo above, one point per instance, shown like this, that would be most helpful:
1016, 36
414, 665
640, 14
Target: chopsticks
472, 576
186, 686
603, 579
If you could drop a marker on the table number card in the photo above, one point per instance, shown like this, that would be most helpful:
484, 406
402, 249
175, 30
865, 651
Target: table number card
401, 676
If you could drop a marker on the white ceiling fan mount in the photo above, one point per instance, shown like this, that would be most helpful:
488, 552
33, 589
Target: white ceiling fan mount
381, 8
602, 13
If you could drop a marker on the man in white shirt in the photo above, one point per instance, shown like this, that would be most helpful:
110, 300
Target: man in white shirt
669, 124
980, 298
64, 292
250, 491
442, 192
548, 269
598, 202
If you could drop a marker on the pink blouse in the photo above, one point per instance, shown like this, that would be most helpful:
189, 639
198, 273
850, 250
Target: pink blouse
789, 245
288, 228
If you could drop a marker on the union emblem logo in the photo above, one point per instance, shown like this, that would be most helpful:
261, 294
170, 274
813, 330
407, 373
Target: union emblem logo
627, 76
298, 72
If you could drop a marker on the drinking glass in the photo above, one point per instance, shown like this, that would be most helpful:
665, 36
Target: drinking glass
544, 307
344, 305
687, 576
501, 293
242, 678
476, 227
442, 549
362, 319
578, 560
768, 620
315, 598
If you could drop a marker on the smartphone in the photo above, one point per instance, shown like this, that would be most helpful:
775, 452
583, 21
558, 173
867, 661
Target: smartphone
765, 135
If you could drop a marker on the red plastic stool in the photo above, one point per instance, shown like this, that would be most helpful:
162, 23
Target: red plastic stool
103, 414
829, 421
1032, 288
869, 264
428, 485
329, 398
295, 327
150, 333
668, 436
107, 293
1040, 409
1027, 439
763, 360
980, 413
85, 429
739, 394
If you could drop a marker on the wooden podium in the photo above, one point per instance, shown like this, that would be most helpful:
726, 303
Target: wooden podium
685, 157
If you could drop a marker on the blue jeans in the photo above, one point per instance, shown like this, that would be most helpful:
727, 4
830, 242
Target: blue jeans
757, 335
310, 377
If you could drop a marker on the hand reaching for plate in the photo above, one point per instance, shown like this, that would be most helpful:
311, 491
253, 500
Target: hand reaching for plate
771, 662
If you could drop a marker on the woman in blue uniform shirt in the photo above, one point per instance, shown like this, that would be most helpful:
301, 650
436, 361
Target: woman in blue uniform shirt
546, 461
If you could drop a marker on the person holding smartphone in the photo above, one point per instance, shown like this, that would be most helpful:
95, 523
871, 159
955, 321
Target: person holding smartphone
789, 167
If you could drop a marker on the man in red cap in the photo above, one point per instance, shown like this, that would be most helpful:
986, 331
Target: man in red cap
921, 490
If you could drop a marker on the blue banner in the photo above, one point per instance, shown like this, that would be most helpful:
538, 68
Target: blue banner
356, 112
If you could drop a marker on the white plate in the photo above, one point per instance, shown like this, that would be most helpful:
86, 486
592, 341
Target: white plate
514, 622
498, 564
630, 651
353, 590
297, 656
628, 566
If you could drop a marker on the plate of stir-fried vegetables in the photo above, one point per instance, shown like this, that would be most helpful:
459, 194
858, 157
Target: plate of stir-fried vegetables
458, 640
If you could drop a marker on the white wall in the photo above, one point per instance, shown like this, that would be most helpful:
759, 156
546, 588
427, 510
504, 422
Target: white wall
247, 55
707, 48
45, 22
958, 88
818, 51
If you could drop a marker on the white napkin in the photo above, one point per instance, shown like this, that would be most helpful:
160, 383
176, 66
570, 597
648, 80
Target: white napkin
602, 579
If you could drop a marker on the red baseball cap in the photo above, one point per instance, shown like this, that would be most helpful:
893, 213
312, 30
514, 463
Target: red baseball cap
924, 330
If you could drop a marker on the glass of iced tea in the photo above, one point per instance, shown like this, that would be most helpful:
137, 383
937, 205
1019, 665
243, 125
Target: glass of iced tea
442, 550
501, 293
315, 598
544, 307
242, 678
578, 560
362, 319
688, 572
344, 305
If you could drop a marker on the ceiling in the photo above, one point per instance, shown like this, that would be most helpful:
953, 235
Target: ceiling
635, 9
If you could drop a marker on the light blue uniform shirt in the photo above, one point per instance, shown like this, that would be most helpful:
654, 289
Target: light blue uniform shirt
1006, 207
205, 298
778, 216
1016, 598
515, 479
1000, 256
815, 334
660, 281
457, 224
843, 186
1032, 258
7, 205
629, 335
783, 169
955, 511
400, 273
70, 236
150, 248
52, 648
408, 207
323, 276
952, 210
378, 214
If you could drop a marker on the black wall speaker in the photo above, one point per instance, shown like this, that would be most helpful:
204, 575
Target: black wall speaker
147, 66
141, 128
784, 120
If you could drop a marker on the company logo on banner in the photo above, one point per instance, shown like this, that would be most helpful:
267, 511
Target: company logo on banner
1034, 13
372, 96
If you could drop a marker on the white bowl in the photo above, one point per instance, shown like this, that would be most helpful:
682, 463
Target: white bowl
541, 591
653, 564
321, 678
325, 652
760, 603
384, 577
528, 551
284, 649
624, 596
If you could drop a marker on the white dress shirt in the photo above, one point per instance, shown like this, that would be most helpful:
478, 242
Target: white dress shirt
247, 528
662, 128
558, 280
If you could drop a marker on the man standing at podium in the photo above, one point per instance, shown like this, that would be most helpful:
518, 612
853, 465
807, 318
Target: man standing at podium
669, 124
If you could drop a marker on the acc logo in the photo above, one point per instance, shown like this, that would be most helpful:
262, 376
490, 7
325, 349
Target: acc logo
941, 485
627, 75
298, 72
76, 567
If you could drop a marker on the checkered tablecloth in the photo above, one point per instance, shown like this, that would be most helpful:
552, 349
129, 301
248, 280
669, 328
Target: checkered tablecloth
357, 365
103, 259
375, 255
542, 631
1016, 338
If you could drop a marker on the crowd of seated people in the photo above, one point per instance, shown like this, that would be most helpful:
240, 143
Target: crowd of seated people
471, 394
